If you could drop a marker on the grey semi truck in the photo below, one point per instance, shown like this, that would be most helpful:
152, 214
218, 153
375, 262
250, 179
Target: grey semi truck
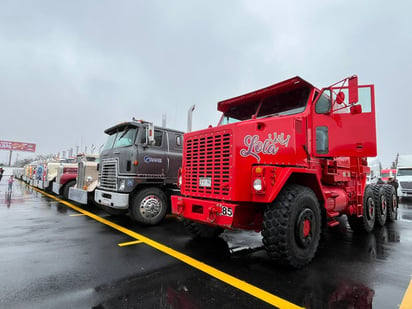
138, 170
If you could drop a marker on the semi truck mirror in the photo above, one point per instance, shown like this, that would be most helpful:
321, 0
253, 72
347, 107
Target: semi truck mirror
353, 89
150, 134
340, 97
356, 109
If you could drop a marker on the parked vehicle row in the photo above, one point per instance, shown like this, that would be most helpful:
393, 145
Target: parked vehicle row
286, 160
135, 174
55, 175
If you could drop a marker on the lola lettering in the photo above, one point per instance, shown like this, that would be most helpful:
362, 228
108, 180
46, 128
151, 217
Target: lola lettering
270, 146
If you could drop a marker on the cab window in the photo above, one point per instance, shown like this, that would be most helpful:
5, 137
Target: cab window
323, 105
158, 137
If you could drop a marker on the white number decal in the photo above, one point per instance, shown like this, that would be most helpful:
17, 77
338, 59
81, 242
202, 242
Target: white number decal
226, 211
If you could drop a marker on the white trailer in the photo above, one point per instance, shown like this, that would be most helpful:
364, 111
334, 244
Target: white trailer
404, 175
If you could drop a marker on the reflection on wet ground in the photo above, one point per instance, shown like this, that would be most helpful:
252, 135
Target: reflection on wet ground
14, 196
51, 259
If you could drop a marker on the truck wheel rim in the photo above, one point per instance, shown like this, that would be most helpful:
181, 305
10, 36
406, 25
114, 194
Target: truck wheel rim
383, 205
304, 228
394, 202
370, 208
150, 206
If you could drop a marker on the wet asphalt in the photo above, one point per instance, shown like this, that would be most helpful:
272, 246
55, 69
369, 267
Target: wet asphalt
53, 256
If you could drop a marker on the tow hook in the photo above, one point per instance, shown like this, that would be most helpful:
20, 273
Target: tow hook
213, 212
180, 207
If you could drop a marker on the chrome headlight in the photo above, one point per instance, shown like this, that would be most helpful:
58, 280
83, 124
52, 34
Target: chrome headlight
257, 184
122, 184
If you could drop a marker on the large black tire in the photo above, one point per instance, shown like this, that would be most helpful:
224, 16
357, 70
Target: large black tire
391, 202
367, 221
67, 187
380, 204
149, 206
199, 230
292, 226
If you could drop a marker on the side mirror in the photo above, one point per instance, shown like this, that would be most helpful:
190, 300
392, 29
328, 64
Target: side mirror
356, 109
353, 89
340, 97
150, 134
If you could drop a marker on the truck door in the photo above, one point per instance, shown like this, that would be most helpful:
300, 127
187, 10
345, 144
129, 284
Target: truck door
340, 128
174, 153
152, 158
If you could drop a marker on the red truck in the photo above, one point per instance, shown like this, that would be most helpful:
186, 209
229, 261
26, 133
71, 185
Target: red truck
285, 160
65, 179
387, 173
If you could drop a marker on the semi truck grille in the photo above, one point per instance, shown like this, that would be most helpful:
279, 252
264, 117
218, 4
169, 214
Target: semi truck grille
108, 177
406, 184
80, 175
208, 159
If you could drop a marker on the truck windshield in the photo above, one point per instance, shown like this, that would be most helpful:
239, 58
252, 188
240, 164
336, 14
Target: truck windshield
404, 172
280, 104
122, 138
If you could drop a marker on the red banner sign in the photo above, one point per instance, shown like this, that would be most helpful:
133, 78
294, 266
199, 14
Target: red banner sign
17, 146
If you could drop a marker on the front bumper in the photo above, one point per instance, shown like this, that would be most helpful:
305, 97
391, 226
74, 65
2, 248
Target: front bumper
56, 188
224, 214
112, 199
78, 195
404, 192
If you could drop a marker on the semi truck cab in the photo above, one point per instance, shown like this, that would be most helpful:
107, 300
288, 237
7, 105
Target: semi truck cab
138, 170
284, 160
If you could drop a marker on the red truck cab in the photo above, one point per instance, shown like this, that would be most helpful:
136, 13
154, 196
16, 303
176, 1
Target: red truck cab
284, 160
387, 173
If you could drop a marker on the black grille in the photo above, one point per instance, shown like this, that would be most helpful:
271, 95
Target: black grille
108, 177
208, 158
406, 184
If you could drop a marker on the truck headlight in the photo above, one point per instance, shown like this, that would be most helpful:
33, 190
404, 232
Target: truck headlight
122, 184
89, 178
257, 184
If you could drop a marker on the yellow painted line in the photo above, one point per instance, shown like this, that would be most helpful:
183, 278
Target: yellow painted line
407, 298
124, 244
231, 280
77, 215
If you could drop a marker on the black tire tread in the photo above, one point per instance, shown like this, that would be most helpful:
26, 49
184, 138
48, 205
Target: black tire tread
276, 228
66, 188
361, 224
390, 195
379, 194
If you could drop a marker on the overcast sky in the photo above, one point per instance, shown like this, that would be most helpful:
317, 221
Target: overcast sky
70, 69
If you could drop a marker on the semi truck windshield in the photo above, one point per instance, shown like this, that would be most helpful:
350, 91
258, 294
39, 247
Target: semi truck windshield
122, 138
284, 103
